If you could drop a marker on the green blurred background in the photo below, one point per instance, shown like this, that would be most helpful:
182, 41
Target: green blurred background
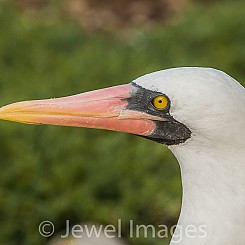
57, 48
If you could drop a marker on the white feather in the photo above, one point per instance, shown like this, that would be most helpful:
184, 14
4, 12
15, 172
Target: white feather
212, 105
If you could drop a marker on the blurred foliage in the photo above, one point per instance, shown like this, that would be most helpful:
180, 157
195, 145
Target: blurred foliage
57, 173
107, 15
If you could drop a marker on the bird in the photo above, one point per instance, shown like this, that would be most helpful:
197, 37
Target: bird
199, 113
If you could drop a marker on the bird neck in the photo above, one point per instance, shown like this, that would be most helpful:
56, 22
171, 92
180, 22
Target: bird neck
213, 202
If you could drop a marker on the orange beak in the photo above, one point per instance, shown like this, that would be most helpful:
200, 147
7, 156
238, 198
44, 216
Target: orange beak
104, 108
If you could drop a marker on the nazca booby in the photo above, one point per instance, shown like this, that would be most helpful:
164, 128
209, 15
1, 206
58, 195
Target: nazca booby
199, 113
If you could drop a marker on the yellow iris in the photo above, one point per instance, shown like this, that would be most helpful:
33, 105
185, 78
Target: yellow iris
160, 102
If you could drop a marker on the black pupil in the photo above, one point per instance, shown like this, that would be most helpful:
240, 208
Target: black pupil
160, 101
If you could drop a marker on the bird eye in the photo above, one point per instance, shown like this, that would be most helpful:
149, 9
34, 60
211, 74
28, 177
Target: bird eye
160, 102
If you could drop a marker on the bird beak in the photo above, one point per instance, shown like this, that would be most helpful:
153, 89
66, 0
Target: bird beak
104, 108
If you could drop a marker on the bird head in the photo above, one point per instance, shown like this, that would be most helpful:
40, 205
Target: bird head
170, 106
